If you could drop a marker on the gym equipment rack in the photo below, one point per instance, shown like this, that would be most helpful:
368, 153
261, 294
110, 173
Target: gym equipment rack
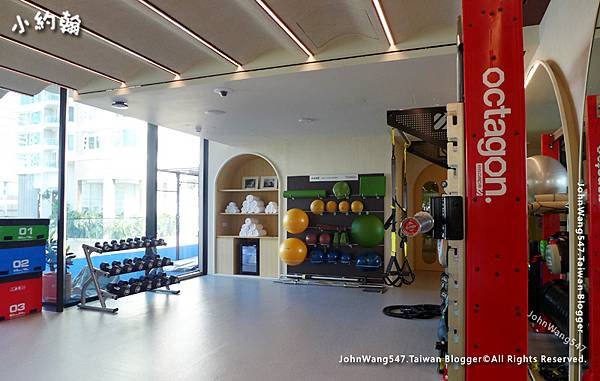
103, 294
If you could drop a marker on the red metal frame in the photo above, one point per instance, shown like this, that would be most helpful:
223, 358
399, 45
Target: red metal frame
496, 199
593, 226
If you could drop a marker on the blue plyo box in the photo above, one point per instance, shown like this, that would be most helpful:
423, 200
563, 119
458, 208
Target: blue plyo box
22, 260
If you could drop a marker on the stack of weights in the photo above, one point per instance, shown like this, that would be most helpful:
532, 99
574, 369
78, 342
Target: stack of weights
22, 260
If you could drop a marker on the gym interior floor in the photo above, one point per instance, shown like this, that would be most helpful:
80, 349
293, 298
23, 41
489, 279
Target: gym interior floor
225, 328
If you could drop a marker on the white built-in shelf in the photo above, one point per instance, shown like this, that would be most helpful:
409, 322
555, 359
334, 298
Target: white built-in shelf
237, 236
249, 214
248, 190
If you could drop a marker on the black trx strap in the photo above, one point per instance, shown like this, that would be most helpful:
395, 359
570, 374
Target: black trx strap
395, 274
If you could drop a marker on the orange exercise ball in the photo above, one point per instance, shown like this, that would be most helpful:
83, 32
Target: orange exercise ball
331, 206
357, 206
295, 221
292, 251
317, 207
344, 206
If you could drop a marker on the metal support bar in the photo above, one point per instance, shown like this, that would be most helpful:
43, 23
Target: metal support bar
61, 214
456, 249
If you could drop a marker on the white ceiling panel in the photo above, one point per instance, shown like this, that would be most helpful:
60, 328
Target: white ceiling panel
344, 100
136, 27
15, 82
433, 21
30, 62
325, 24
84, 49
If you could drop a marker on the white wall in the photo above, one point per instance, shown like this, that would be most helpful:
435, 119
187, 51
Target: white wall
315, 154
566, 33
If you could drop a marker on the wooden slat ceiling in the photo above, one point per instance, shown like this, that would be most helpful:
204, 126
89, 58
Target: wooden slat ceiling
127, 41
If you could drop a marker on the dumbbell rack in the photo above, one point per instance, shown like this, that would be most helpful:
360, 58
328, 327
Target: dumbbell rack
103, 294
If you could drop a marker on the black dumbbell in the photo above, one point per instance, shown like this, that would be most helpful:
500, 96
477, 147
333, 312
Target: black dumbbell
145, 283
147, 243
137, 242
105, 267
120, 289
157, 261
164, 279
166, 261
138, 264
148, 264
155, 281
130, 243
173, 279
115, 245
135, 286
106, 246
116, 265
98, 245
161, 242
127, 266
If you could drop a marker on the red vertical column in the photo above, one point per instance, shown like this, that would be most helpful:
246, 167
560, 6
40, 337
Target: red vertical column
593, 227
496, 200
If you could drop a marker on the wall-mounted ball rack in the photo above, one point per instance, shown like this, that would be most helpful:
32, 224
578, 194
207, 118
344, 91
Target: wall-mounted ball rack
329, 222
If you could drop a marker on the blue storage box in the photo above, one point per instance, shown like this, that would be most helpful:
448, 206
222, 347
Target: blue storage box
22, 260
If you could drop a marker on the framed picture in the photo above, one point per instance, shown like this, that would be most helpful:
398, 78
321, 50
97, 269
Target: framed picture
268, 182
250, 182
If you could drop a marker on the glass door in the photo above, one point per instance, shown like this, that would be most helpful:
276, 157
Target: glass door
178, 218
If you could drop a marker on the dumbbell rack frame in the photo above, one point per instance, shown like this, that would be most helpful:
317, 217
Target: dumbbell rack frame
104, 294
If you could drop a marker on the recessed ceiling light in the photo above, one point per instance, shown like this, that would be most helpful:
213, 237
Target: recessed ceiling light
121, 105
307, 120
215, 112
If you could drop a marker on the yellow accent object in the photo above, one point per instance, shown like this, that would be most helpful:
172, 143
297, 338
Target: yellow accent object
295, 221
357, 206
393, 244
344, 206
331, 206
292, 251
317, 207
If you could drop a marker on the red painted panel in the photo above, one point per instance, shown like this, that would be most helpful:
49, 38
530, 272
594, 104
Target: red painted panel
496, 201
593, 220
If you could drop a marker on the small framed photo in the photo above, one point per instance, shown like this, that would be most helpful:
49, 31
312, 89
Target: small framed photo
250, 182
268, 182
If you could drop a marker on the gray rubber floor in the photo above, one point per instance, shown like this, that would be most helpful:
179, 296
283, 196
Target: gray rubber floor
224, 328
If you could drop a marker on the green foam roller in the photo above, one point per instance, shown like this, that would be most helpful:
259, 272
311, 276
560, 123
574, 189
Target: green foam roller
305, 193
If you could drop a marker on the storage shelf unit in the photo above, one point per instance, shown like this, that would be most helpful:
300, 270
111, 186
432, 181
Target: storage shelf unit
372, 205
228, 225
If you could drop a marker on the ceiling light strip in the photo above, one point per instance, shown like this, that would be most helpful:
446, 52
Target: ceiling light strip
282, 25
22, 73
109, 41
189, 32
384, 23
64, 60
